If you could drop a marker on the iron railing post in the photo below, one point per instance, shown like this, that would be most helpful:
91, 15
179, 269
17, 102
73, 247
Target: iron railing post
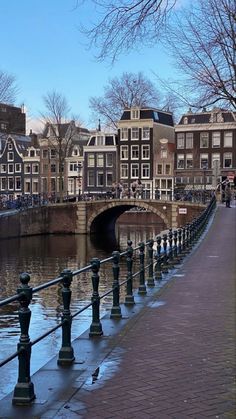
150, 281
96, 326
66, 353
116, 310
129, 299
24, 389
142, 287
165, 263
158, 257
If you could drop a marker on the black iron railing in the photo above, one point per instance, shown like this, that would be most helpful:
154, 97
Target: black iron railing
155, 258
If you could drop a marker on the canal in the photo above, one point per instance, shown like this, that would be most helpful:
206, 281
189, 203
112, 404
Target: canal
44, 258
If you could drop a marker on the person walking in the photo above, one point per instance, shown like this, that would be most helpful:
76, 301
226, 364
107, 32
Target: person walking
227, 196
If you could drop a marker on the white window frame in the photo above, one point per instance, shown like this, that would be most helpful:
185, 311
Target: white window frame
134, 171
157, 169
124, 134
189, 157
18, 178
100, 173
215, 156
10, 166
180, 140
10, 179
136, 131
100, 160
134, 152
135, 113
216, 139
90, 172
17, 167
180, 157
146, 133
189, 140
111, 175
124, 152
124, 171
91, 160
228, 156
204, 136
145, 170
145, 151
10, 156
109, 163
204, 161
228, 136
3, 168
168, 164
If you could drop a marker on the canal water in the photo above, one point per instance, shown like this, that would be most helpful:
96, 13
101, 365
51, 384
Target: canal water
44, 258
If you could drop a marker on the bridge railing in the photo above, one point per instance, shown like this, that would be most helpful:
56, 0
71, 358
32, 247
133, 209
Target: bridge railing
153, 260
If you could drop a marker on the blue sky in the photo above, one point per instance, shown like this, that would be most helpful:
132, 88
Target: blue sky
42, 46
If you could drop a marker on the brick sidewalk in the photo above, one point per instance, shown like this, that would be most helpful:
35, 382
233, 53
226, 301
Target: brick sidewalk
176, 358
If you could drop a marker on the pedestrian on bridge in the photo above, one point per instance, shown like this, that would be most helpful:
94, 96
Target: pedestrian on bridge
228, 196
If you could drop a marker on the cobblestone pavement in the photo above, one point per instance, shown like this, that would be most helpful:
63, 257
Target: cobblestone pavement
176, 358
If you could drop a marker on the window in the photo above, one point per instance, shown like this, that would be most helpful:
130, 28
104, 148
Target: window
3, 184
215, 157
204, 139
109, 160
189, 140
75, 152
134, 113
10, 156
53, 168
124, 152
53, 184
9, 146
180, 161
146, 133
3, 126
35, 186
228, 139
145, 152
32, 153
124, 134
18, 183
167, 168
180, 140
164, 154
45, 154
3, 168
124, 171
204, 161
17, 167
11, 168
35, 168
10, 183
169, 183
27, 168
53, 153
109, 179
185, 120
145, 170
90, 178
45, 168
100, 160
134, 170
134, 152
227, 160
73, 167
216, 139
189, 161
134, 133
91, 160
159, 169
100, 180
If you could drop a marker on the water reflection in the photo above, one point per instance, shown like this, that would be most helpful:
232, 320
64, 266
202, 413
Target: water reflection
44, 258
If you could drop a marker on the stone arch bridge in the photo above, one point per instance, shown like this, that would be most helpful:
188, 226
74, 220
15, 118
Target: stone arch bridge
87, 217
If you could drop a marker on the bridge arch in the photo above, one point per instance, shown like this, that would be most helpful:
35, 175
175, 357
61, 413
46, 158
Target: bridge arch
105, 217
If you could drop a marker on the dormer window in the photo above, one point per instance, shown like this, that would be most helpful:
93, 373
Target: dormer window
135, 113
100, 140
185, 120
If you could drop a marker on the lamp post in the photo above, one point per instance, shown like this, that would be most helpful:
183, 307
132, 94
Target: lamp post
204, 168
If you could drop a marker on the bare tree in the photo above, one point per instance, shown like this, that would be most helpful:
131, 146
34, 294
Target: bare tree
203, 42
126, 23
8, 88
123, 92
58, 130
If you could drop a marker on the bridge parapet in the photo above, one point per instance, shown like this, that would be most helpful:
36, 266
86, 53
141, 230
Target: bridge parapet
91, 216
